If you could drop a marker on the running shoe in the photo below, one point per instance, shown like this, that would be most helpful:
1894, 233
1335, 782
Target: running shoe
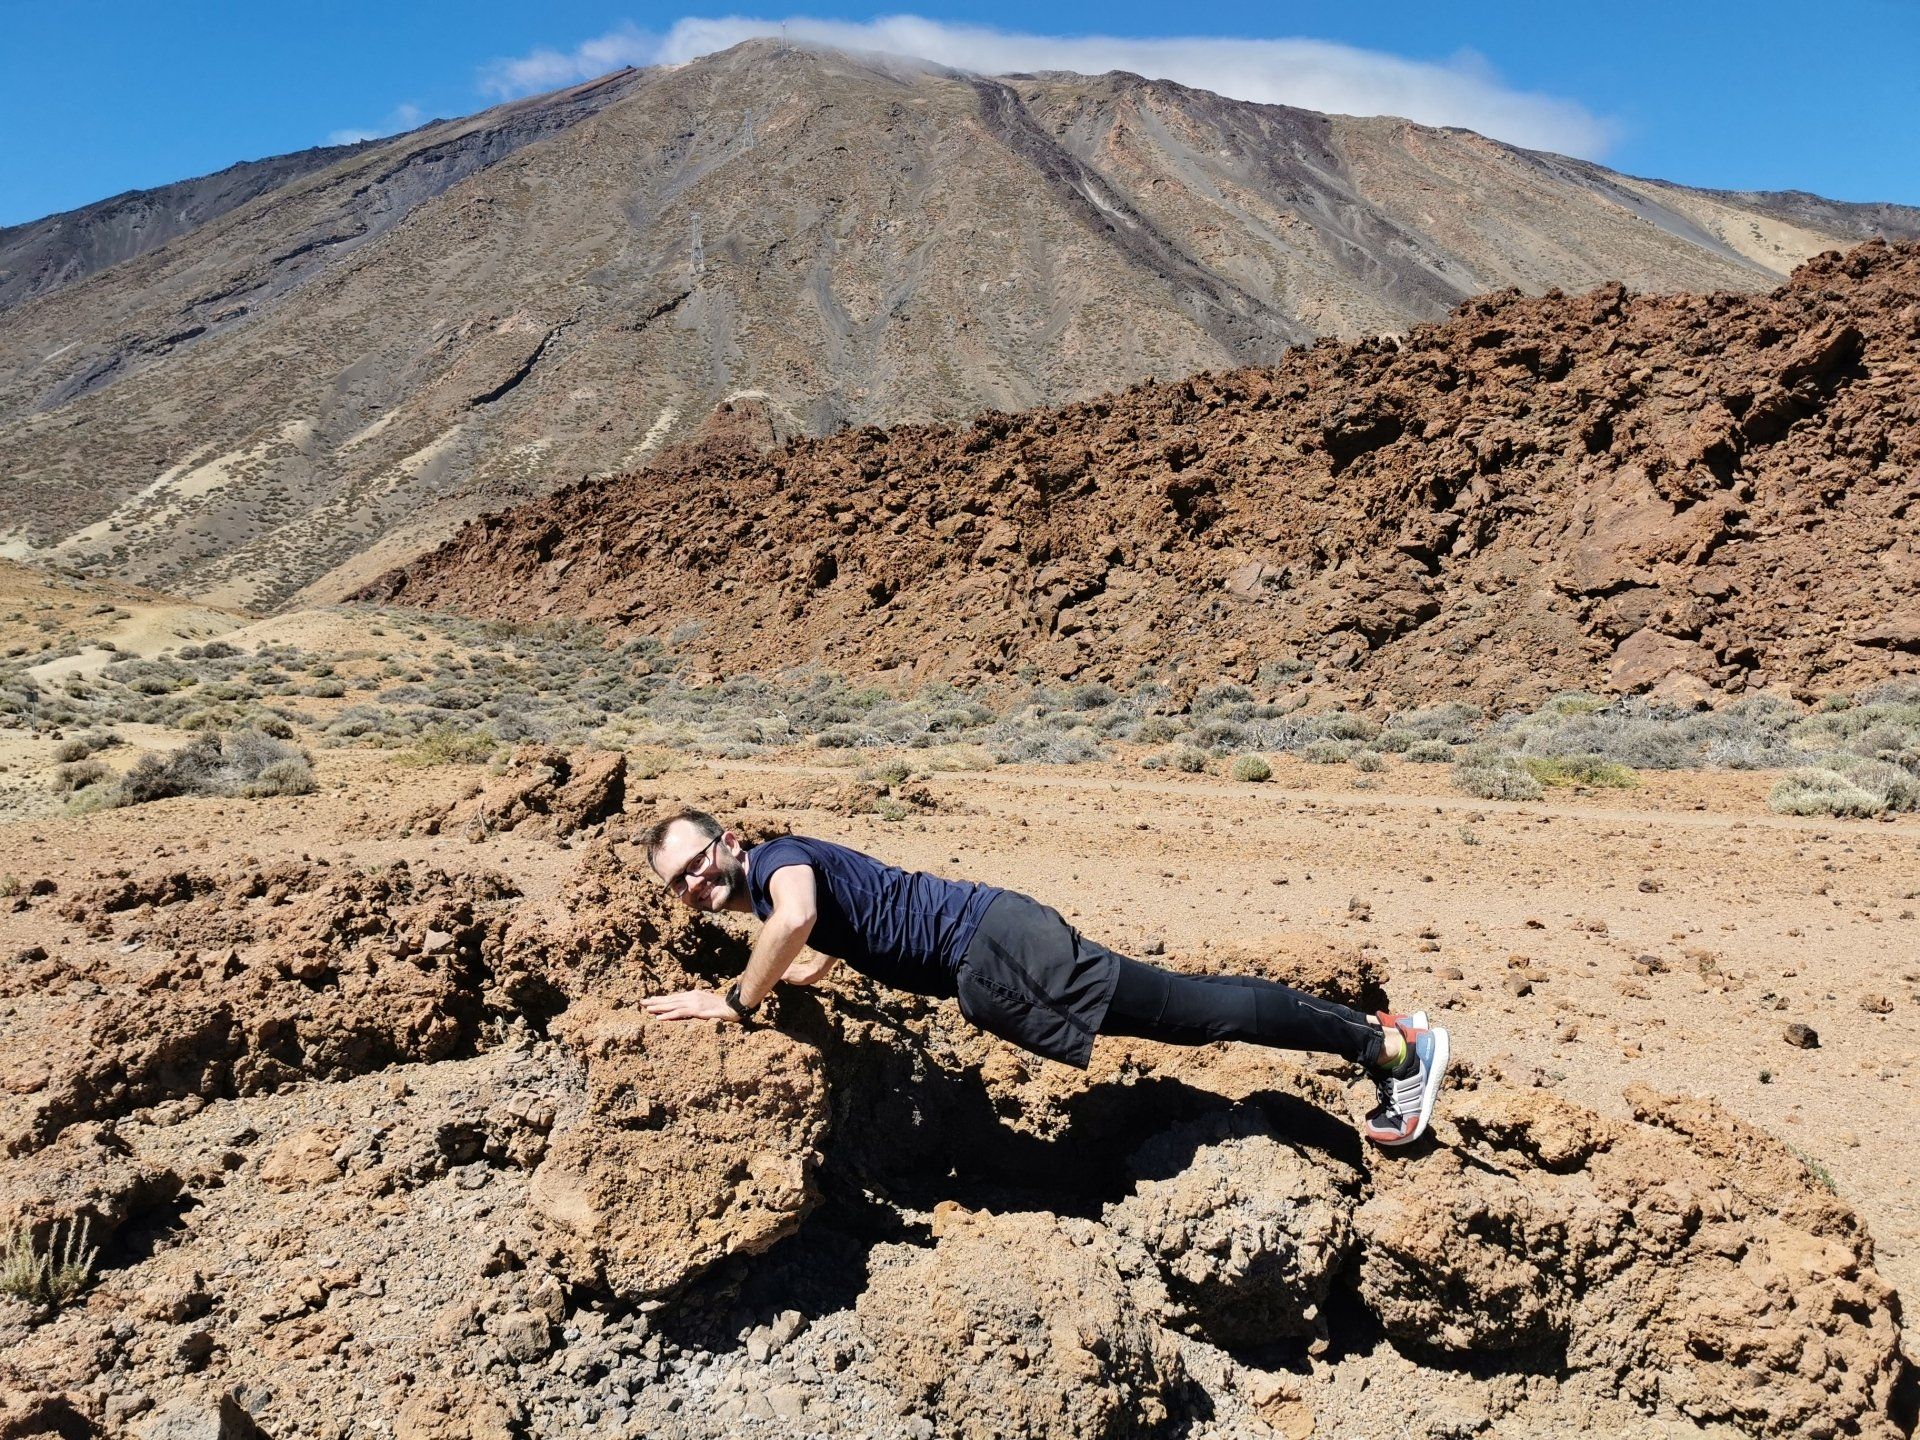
1407, 1092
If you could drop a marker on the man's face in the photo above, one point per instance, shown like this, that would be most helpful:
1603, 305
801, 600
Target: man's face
703, 873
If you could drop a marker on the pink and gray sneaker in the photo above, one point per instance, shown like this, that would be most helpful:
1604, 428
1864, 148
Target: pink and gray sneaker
1407, 1092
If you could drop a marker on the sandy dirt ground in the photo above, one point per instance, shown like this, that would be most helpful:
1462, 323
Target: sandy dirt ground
1667, 935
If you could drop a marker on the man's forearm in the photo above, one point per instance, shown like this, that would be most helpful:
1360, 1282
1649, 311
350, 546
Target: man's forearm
777, 946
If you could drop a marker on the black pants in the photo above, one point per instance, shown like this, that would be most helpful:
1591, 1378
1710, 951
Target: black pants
1154, 1004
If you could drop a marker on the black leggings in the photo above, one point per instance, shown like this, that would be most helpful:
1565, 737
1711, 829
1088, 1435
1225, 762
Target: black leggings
1154, 1004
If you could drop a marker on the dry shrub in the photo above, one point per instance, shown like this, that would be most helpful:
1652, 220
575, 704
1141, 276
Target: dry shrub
240, 762
1495, 778
1823, 792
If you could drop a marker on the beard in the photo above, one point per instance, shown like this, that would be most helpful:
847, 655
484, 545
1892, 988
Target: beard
729, 879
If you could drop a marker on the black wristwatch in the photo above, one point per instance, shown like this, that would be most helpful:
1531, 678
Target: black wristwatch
739, 1006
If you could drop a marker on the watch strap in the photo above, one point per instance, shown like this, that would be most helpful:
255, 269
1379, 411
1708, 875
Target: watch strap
739, 1006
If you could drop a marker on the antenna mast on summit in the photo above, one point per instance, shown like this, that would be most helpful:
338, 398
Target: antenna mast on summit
697, 259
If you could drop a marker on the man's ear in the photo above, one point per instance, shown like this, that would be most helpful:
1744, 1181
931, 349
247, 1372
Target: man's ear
730, 839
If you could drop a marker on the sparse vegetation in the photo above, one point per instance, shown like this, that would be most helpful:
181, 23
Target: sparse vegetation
81, 746
465, 690
1823, 792
1251, 768
240, 762
447, 746
79, 775
52, 1276
1557, 770
1495, 777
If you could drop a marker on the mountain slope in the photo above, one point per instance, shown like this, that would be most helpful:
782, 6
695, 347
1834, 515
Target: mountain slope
46, 255
1598, 491
337, 373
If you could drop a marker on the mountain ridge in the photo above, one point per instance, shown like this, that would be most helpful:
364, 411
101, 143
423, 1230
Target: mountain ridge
271, 408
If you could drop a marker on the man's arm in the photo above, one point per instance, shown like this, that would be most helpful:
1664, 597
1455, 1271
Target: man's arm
781, 939
783, 936
809, 972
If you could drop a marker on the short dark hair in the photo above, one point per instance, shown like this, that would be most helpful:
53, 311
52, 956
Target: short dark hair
710, 829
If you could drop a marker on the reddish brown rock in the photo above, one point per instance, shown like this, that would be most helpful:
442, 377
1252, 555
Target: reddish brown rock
1017, 1327
696, 1140
1520, 500
1247, 1231
1684, 1258
557, 792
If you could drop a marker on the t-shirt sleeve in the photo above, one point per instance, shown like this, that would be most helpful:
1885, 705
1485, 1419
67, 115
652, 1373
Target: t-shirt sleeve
774, 855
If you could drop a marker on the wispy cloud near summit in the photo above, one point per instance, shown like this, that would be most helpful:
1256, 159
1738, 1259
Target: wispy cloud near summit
1315, 74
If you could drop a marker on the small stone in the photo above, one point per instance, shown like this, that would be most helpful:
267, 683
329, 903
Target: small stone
789, 1402
523, 1336
1155, 946
1876, 1004
1805, 1036
1519, 984
223, 1418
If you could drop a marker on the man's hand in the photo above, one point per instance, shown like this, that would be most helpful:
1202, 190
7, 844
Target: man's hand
690, 1005
809, 972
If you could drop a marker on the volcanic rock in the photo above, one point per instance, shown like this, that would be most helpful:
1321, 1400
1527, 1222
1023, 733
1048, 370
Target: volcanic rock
1463, 518
88, 1176
1683, 1257
1018, 1326
696, 1141
1247, 1231
259, 1016
550, 790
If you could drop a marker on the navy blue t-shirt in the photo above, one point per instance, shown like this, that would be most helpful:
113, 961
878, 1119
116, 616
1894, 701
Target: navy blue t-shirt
904, 928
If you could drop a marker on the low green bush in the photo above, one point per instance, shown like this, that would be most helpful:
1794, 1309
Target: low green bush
446, 746
1251, 768
1561, 770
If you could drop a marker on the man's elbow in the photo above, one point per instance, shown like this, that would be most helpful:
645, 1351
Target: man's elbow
797, 921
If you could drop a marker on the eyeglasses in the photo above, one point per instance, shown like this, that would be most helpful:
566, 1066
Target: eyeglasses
677, 886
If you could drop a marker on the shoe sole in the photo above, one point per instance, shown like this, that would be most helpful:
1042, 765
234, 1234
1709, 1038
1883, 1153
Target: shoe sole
1436, 1072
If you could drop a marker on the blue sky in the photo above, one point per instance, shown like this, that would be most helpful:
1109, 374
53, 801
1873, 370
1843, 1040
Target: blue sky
100, 96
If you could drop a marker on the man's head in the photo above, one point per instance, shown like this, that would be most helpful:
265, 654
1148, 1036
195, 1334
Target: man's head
703, 863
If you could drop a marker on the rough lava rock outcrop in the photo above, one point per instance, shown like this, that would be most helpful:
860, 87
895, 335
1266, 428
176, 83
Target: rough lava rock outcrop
1685, 1258
1247, 1230
1018, 1327
691, 1144
558, 792
1687, 494
272, 974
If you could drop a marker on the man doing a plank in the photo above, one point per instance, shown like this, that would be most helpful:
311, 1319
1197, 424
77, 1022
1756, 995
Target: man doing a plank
1018, 969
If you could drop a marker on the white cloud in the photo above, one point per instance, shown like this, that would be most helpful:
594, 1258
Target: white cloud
1315, 74
550, 69
402, 117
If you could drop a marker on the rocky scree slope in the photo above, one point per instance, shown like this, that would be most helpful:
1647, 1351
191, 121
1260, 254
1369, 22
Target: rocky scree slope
1609, 491
392, 1150
45, 255
310, 386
